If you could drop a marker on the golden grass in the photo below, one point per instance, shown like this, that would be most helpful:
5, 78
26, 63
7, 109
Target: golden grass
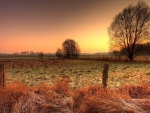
59, 98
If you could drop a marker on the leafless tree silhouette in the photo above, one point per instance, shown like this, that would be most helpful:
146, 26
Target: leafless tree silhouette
129, 29
70, 49
59, 53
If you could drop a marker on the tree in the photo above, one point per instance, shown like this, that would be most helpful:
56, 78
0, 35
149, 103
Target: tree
70, 49
32, 52
143, 49
129, 29
41, 55
16, 53
59, 53
24, 52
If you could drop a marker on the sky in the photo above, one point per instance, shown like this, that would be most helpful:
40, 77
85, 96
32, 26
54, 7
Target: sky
43, 25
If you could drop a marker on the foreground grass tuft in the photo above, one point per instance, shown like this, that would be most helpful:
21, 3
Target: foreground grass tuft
58, 97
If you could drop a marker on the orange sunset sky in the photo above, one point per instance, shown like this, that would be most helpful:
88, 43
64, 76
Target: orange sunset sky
43, 25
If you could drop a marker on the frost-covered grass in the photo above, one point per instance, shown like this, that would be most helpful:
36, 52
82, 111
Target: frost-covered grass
81, 72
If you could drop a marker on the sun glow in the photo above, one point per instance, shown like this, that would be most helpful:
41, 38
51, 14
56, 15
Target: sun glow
94, 42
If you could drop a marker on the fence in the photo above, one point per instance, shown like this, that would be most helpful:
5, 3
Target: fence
3, 75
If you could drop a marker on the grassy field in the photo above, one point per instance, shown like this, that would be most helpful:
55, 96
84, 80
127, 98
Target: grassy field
81, 72
74, 86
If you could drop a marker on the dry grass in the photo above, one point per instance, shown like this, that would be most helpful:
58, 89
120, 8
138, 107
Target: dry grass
44, 99
96, 99
59, 98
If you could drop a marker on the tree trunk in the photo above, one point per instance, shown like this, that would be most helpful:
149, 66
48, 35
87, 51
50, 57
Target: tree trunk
2, 76
130, 57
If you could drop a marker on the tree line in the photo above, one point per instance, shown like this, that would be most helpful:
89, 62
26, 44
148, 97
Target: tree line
28, 53
70, 49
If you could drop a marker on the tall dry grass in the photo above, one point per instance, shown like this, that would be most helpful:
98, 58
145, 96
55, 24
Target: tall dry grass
59, 98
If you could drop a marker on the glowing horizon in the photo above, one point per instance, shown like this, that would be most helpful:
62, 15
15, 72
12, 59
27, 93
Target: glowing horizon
42, 26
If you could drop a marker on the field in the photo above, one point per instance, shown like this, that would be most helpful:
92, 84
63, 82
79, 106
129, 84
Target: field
81, 72
74, 86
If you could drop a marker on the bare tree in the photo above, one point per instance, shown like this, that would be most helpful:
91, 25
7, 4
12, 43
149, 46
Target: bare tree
70, 49
41, 55
129, 29
32, 52
59, 53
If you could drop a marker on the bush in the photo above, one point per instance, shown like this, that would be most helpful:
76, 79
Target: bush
41, 55
59, 53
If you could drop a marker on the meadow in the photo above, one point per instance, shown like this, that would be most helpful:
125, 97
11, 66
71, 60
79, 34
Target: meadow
74, 86
81, 72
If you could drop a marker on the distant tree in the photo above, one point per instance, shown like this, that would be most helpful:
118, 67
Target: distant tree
59, 53
36, 53
130, 29
16, 53
22, 53
70, 49
31, 52
26, 52
41, 55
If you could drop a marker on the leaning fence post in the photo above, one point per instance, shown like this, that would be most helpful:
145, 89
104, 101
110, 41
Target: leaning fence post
105, 75
2, 76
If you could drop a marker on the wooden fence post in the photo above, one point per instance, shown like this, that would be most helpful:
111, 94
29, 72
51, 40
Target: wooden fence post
2, 76
105, 75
